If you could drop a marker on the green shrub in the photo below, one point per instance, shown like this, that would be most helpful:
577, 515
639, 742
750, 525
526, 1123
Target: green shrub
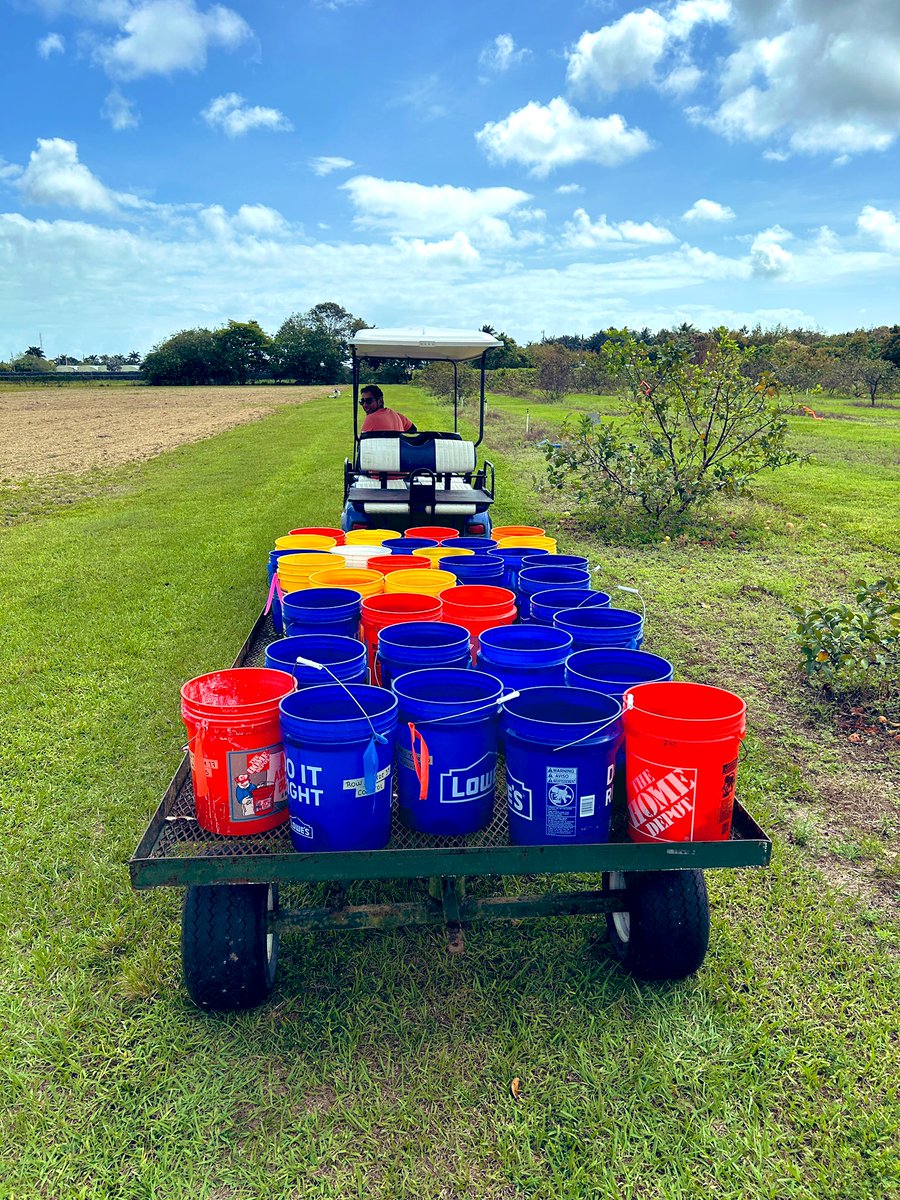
694, 430
850, 648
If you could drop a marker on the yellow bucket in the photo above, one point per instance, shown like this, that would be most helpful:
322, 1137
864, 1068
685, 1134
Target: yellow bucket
435, 552
294, 570
499, 532
370, 537
367, 583
305, 541
419, 583
532, 543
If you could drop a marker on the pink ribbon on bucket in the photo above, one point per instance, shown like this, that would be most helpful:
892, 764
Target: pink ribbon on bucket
274, 586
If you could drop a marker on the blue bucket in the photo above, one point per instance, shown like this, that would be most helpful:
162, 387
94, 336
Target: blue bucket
591, 627
545, 605
447, 764
560, 748
344, 657
559, 560
339, 766
524, 656
513, 560
480, 545
612, 670
272, 566
542, 579
413, 645
405, 545
322, 610
474, 568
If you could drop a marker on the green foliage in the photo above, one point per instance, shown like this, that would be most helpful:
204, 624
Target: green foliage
312, 347
510, 355
188, 357
36, 364
242, 351
850, 648
437, 379
695, 430
555, 370
512, 381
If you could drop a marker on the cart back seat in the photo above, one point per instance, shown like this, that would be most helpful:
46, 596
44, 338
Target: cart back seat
399, 453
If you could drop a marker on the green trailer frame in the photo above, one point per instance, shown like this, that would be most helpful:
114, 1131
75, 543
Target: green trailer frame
654, 895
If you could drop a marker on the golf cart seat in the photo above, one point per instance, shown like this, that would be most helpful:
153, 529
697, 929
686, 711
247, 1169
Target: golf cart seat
402, 452
429, 473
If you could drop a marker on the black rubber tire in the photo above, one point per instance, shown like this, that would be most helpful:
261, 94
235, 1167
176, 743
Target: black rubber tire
228, 955
666, 933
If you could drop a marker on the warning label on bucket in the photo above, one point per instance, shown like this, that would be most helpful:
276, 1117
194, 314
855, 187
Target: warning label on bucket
562, 793
661, 802
257, 786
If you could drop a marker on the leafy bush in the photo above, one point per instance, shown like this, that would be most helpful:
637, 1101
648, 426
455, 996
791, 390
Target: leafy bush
852, 649
512, 381
694, 430
437, 379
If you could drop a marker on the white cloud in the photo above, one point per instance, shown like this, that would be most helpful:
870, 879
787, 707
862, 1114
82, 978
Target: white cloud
326, 163
233, 116
569, 189
163, 36
581, 233
632, 50
544, 137
776, 155
502, 54
825, 77
416, 209
768, 256
250, 220
51, 44
55, 176
455, 249
880, 224
708, 210
119, 111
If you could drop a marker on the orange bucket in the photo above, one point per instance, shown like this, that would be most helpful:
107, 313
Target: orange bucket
477, 607
380, 611
423, 583
515, 531
367, 583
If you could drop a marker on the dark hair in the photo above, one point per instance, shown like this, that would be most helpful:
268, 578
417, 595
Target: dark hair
372, 389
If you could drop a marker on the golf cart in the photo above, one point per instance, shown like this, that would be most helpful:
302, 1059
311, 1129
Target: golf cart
398, 480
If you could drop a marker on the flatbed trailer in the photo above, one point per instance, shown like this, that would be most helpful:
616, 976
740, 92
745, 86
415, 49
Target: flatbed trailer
653, 894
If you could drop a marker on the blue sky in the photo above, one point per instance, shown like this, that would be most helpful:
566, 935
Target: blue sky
542, 166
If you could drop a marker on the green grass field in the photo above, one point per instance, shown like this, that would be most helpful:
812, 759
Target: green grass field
382, 1068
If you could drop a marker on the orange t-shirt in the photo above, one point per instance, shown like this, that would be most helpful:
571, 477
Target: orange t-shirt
385, 420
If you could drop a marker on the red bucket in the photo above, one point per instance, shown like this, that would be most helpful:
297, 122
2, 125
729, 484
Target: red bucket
437, 533
394, 609
385, 563
234, 742
338, 534
477, 607
682, 742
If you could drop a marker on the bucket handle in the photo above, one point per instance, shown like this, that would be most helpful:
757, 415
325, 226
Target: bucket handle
635, 592
370, 754
478, 708
421, 761
590, 734
274, 586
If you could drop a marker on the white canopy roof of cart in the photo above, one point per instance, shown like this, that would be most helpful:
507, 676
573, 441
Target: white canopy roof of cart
459, 345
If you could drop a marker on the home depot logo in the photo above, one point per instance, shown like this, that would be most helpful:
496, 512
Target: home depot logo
657, 803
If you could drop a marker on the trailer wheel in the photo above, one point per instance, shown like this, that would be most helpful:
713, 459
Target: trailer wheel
664, 932
228, 953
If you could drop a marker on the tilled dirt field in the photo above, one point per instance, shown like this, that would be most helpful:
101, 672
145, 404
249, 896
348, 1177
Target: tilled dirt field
73, 428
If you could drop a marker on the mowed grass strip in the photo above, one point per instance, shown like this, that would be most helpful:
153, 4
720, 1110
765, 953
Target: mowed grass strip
383, 1066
